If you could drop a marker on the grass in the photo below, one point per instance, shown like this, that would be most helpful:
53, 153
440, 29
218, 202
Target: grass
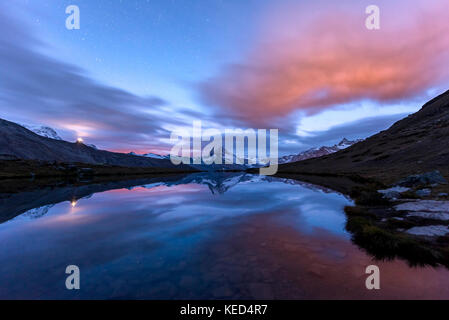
386, 245
10, 169
368, 196
374, 230
27, 175
370, 220
410, 194
395, 224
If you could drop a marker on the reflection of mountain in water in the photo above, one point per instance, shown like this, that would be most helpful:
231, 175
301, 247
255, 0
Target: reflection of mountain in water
12, 205
38, 212
37, 203
218, 183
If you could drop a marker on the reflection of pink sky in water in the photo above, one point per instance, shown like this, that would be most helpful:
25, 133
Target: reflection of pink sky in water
258, 238
83, 210
326, 266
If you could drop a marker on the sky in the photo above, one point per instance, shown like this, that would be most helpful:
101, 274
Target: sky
138, 69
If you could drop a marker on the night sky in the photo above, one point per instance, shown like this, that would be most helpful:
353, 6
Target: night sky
138, 69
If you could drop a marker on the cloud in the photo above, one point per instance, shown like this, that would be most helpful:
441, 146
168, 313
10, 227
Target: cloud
306, 64
41, 89
314, 61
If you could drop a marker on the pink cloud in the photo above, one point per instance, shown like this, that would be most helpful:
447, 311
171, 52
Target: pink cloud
328, 57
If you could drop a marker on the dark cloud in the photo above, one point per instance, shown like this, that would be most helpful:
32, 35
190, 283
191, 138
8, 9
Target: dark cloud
41, 89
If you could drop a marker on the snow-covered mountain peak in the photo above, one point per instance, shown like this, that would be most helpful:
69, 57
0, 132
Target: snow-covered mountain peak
318, 152
44, 131
150, 155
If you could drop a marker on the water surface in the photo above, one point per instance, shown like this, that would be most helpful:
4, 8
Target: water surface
204, 236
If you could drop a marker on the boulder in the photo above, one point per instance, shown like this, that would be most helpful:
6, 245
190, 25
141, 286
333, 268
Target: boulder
424, 179
393, 193
424, 205
430, 215
429, 231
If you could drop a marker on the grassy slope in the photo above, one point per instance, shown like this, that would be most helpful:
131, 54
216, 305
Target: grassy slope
416, 144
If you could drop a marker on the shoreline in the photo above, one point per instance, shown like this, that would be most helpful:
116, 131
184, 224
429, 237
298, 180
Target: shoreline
373, 222
380, 229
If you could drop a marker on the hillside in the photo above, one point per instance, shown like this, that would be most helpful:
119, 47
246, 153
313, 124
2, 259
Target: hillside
416, 144
17, 141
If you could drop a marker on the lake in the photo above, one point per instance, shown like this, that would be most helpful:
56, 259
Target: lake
201, 236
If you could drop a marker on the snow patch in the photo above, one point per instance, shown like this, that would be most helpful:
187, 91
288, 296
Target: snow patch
43, 131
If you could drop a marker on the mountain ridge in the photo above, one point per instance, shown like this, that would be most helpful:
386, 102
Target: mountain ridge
407, 147
20, 142
318, 152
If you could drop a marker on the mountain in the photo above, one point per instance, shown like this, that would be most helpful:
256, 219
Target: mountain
150, 155
318, 152
155, 156
48, 132
417, 143
226, 155
43, 131
17, 141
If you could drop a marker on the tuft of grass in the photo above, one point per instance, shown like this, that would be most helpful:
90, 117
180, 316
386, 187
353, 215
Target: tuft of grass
371, 198
355, 224
355, 211
399, 224
368, 196
410, 194
358, 211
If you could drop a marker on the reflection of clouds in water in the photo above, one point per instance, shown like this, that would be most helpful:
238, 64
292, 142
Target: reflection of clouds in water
38, 212
212, 197
314, 208
170, 200
133, 243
